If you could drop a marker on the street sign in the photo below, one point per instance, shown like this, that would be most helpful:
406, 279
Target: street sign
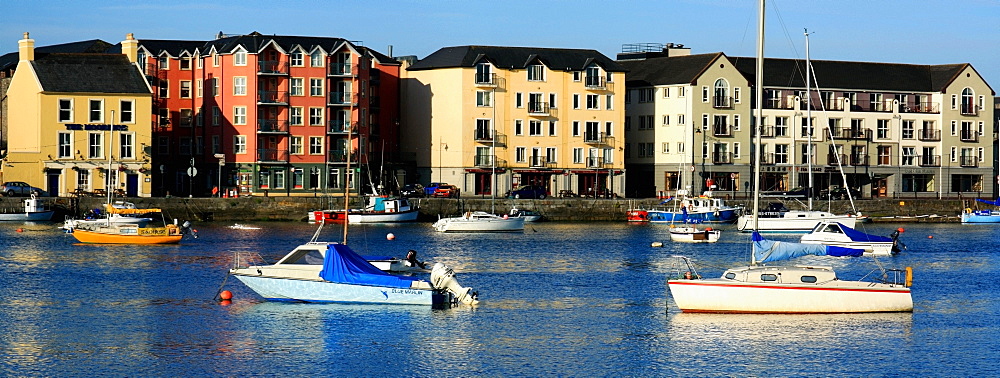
192, 171
732, 175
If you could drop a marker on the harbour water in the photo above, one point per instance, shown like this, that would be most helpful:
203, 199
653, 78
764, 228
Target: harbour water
566, 299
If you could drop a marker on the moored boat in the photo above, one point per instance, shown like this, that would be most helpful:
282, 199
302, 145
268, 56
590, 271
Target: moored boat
479, 221
691, 234
833, 233
701, 209
106, 232
33, 208
982, 216
528, 215
777, 218
384, 209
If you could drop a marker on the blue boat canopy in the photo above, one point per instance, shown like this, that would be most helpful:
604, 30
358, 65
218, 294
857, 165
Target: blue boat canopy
994, 203
342, 265
859, 236
771, 250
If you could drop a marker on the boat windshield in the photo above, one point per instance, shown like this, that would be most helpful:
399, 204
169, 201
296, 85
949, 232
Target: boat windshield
304, 257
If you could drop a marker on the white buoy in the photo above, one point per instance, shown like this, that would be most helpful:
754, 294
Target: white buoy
390, 236
657, 244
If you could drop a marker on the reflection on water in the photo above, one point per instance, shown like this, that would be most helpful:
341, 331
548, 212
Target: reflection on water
562, 299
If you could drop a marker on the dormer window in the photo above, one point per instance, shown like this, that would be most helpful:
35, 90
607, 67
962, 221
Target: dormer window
297, 59
536, 72
240, 57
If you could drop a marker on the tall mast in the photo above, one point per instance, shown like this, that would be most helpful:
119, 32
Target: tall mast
111, 151
348, 144
759, 93
493, 159
809, 125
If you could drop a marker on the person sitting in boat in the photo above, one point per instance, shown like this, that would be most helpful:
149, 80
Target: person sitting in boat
411, 257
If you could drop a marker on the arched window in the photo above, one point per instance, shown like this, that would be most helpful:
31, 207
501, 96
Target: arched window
722, 99
968, 101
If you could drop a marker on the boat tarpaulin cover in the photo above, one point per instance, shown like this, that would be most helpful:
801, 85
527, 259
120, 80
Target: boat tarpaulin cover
859, 236
994, 203
771, 250
342, 265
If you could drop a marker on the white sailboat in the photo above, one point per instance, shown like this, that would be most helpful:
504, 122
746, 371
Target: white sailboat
757, 288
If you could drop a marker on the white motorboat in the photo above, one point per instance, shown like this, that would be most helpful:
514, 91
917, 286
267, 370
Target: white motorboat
116, 214
791, 220
691, 234
833, 233
528, 215
34, 210
397, 265
327, 272
757, 288
240, 226
383, 209
479, 221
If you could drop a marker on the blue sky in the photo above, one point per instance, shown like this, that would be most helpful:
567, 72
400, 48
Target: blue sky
912, 31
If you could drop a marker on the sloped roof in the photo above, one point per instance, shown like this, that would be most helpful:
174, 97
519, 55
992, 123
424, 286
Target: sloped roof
253, 42
9, 60
668, 70
88, 73
516, 58
381, 58
172, 47
853, 75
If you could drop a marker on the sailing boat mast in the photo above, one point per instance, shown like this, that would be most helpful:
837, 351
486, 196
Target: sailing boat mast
111, 151
493, 159
809, 125
759, 93
348, 144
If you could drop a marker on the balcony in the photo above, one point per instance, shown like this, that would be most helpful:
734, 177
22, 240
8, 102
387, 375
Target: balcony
265, 155
722, 102
339, 126
488, 80
342, 70
778, 103
599, 139
489, 161
272, 126
272, 67
722, 130
765, 132
929, 135
920, 107
539, 162
539, 108
272, 98
836, 159
487, 136
858, 160
851, 133
969, 110
597, 83
719, 157
342, 99
765, 159
968, 135
595, 162
968, 161
340, 156
929, 160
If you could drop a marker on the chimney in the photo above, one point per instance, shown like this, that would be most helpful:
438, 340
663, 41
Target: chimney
26, 48
130, 47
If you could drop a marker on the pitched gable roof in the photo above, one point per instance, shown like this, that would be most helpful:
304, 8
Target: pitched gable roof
88, 73
9, 60
516, 58
668, 70
853, 75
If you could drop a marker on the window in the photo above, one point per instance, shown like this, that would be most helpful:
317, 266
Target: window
907, 155
576, 128
518, 127
239, 115
316, 116
297, 59
534, 128
184, 145
186, 117
536, 72
780, 126
518, 100
576, 101
680, 147
185, 88
680, 119
681, 91
164, 63
127, 111
918, 183
316, 87
83, 179
315, 145
65, 110
954, 153
95, 144
185, 63
552, 128
954, 128
704, 93
519, 154
781, 154
163, 145
279, 179
483, 98
666, 148
96, 111
240, 86
577, 75
296, 87
216, 116
199, 87
215, 59
552, 101
666, 92
609, 101
577, 155
295, 116
736, 122
907, 129
704, 121
296, 145
316, 59
215, 87
199, 145
239, 144
240, 57
808, 279
164, 88
768, 277
65, 149
666, 120
736, 95
550, 155
736, 150
216, 144
882, 129
884, 155
592, 102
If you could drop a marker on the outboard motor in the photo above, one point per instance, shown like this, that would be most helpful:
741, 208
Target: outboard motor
186, 229
443, 277
895, 241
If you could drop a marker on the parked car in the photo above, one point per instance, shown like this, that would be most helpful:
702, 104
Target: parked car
19, 188
838, 193
797, 192
528, 191
412, 191
446, 191
430, 188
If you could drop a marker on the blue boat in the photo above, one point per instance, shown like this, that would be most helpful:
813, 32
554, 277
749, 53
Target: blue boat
702, 209
982, 216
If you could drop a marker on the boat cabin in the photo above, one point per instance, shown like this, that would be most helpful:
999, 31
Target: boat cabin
781, 274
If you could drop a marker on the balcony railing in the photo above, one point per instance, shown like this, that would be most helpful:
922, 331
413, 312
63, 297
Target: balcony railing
265, 155
858, 160
342, 69
968, 135
539, 108
920, 107
489, 80
340, 156
272, 98
929, 160
851, 133
765, 131
835, 159
929, 135
722, 130
488, 136
968, 161
598, 83
488, 161
969, 109
722, 157
778, 103
269, 126
598, 138
595, 162
539, 162
342, 99
272, 67
765, 159
339, 126
722, 102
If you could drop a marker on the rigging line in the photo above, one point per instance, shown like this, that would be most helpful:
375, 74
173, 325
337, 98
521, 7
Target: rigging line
840, 167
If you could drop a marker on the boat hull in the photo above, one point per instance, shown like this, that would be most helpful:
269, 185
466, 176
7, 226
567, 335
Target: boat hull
86, 236
725, 296
320, 291
36, 216
480, 222
721, 216
791, 222
382, 217
981, 217
691, 235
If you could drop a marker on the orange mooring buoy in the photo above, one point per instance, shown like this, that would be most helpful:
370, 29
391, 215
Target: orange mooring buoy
20, 230
226, 295
390, 236
930, 236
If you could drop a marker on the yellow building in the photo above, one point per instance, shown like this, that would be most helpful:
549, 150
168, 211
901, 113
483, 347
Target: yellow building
541, 116
79, 123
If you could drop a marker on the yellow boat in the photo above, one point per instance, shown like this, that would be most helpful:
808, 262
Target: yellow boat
129, 234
